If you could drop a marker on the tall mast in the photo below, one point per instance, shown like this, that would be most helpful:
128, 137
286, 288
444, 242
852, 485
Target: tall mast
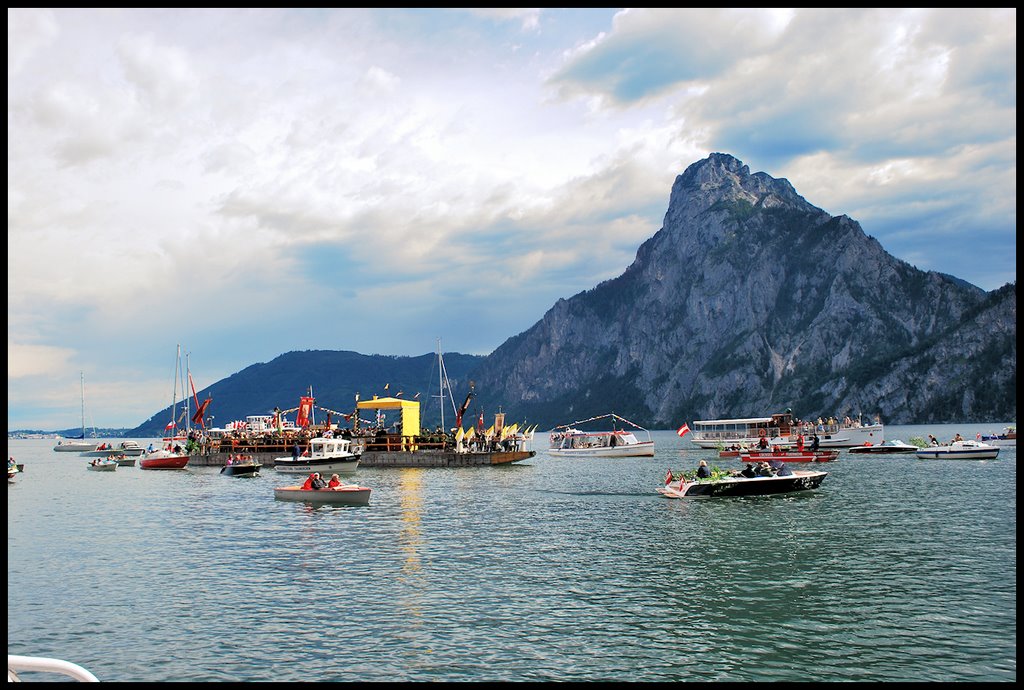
440, 384
174, 393
83, 404
184, 394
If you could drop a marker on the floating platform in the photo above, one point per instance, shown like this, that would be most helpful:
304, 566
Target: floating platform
395, 458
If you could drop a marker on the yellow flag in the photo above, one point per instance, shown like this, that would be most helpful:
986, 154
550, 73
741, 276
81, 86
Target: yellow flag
470, 434
490, 431
459, 435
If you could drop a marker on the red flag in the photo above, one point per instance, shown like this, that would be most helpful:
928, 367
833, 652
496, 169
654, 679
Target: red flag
683, 430
197, 418
170, 425
305, 408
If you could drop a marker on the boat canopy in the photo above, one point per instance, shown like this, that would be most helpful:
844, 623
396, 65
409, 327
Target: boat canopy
410, 412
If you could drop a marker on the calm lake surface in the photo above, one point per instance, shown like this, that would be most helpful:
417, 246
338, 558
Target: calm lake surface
555, 569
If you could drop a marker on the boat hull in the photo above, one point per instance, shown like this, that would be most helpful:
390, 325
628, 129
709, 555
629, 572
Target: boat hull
882, 450
336, 465
161, 460
102, 466
947, 453
637, 450
245, 469
342, 495
744, 486
74, 447
792, 456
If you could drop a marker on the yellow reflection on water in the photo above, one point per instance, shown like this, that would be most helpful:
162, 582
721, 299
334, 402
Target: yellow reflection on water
410, 541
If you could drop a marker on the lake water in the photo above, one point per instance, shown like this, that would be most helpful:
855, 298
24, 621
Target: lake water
554, 569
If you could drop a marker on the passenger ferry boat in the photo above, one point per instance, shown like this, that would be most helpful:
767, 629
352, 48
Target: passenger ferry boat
781, 430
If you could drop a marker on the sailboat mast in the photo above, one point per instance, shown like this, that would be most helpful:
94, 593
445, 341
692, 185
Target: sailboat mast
184, 394
83, 404
174, 393
440, 382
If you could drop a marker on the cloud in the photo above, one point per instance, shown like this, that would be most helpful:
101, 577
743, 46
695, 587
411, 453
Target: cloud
173, 174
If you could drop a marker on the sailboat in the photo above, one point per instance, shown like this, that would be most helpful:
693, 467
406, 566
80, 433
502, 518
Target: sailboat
79, 444
172, 456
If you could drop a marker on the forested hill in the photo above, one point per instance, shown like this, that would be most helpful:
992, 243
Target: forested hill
336, 377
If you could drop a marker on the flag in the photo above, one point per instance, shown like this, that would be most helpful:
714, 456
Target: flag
490, 432
459, 435
197, 418
386, 386
480, 423
170, 425
305, 408
683, 430
469, 434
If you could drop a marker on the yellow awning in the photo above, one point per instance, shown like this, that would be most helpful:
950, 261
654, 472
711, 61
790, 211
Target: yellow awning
410, 412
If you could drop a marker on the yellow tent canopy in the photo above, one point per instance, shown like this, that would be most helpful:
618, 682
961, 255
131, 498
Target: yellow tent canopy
410, 412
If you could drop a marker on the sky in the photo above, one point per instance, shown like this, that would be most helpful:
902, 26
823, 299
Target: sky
250, 182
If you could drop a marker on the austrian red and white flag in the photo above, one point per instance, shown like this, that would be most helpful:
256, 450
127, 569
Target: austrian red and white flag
683, 430
170, 425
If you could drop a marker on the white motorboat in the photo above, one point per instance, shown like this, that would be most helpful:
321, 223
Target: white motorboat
884, 448
325, 455
959, 450
569, 441
102, 465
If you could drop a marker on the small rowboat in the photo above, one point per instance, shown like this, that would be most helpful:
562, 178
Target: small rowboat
246, 468
346, 495
102, 465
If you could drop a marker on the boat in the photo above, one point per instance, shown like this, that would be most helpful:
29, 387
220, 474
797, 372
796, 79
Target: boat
1008, 437
165, 459
124, 460
569, 441
889, 447
127, 448
241, 468
799, 480
782, 430
39, 664
959, 450
346, 494
102, 465
12, 472
172, 456
324, 455
79, 444
790, 456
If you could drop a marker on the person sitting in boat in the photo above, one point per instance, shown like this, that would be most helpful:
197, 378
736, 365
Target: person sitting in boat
318, 482
308, 485
780, 468
776, 449
749, 472
335, 481
703, 472
762, 443
764, 469
958, 437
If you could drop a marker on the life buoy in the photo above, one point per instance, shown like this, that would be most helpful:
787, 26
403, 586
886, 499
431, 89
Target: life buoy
761, 433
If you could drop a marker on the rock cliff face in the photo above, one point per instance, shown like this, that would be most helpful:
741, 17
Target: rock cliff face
750, 300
